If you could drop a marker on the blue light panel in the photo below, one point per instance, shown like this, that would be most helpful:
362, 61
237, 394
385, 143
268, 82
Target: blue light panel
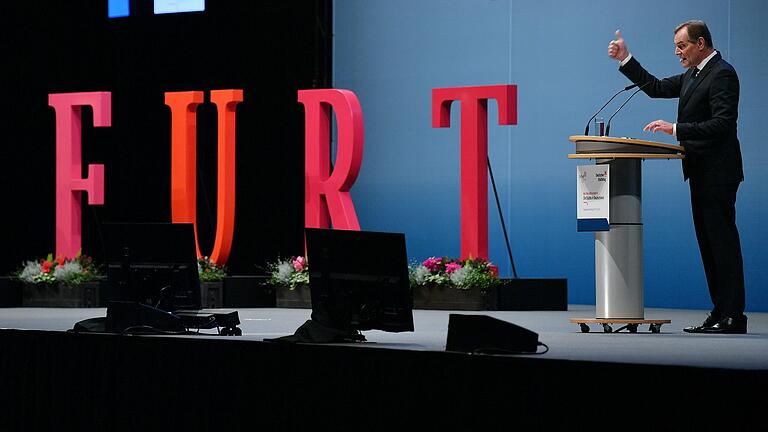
118, 8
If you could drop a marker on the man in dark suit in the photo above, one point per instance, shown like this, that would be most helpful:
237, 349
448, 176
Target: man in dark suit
706, 128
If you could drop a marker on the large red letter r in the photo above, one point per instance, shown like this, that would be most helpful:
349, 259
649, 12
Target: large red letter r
327, 194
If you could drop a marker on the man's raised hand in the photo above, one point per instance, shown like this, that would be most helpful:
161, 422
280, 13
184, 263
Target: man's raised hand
617, 49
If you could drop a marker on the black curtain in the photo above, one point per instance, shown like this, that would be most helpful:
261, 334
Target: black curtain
268, 48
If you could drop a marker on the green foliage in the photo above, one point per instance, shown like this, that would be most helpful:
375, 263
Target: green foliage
210, 271
472, 273
291, 272
71, 271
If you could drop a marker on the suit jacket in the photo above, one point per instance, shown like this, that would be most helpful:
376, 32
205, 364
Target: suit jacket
706, 118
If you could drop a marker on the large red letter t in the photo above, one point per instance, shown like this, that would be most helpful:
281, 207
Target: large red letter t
474, 153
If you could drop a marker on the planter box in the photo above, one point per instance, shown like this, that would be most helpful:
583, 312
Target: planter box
533, 294
248, 292
59, 295
444, 297
212, 294
10, 292
297, 298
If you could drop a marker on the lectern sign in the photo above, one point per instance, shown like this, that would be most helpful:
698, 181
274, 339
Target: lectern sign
593, 197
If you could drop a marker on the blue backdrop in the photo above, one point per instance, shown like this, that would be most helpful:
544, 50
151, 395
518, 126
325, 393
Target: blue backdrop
392, 53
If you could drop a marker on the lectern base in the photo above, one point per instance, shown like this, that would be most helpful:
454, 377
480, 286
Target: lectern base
619, 272
654, 326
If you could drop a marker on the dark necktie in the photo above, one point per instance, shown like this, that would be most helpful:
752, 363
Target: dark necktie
692, 80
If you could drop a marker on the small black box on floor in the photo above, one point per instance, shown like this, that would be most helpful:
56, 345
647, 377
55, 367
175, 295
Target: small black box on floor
248, 292
208, 318
533, 294
484, 334
10, 292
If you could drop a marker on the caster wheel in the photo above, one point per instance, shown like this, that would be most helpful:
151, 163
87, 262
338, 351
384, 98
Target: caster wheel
655, 328
632, 328
584, 328
225, 332
607, 328
237, 332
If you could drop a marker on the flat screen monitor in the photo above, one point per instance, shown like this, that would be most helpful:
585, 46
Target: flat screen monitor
359, 280
153, 264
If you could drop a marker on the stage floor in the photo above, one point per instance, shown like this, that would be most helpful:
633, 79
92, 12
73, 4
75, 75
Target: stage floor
566, 342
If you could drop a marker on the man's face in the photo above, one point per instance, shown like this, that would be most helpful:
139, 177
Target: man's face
690, 53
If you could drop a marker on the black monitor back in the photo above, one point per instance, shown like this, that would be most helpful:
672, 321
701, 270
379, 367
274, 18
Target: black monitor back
359, 280
153, 264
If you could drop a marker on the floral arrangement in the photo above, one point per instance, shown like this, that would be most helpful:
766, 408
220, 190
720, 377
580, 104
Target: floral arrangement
472, 273
72, 271
210, 271
291, 272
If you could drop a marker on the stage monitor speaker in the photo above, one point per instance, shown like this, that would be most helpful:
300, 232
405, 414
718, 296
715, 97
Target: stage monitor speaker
484, 334
123, 315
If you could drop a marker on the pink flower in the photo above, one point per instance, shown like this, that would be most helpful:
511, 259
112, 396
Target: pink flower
494, 270
432, 264
452, 267
299, 263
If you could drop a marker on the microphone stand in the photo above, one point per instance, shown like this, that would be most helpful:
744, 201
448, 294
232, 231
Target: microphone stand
629, 87
608, 125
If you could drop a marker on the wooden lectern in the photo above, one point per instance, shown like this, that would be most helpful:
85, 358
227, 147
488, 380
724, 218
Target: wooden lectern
619, 251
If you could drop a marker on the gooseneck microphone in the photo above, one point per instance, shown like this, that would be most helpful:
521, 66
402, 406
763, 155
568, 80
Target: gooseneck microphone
629, 87
608, 125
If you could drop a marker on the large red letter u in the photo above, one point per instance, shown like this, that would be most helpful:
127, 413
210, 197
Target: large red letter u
184, 159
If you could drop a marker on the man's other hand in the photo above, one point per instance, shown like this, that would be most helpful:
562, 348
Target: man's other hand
659, 126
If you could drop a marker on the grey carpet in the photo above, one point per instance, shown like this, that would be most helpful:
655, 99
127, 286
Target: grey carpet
672, 346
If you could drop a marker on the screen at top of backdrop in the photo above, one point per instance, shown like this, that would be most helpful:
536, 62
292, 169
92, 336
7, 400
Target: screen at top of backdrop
175, 6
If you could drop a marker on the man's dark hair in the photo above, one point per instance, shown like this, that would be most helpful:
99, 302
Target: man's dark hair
696, 29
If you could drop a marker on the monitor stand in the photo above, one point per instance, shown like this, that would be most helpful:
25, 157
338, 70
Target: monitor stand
313, 331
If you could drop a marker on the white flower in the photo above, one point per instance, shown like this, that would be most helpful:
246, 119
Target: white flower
67, 271
31, 269
284, 271
459, 276
420, 274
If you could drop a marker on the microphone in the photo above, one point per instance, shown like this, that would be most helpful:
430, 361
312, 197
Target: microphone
629, 87
608, 125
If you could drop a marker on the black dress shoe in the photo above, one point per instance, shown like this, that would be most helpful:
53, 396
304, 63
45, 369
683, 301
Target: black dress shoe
709, 322
729, 325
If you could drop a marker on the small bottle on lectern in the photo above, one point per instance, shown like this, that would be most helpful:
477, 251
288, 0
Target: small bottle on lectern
599, 126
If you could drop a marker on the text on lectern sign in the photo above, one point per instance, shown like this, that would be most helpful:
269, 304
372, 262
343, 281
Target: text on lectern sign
593, 197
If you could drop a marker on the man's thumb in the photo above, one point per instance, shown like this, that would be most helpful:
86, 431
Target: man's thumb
618, 34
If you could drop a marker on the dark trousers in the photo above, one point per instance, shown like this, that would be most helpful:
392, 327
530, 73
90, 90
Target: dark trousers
714, 218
